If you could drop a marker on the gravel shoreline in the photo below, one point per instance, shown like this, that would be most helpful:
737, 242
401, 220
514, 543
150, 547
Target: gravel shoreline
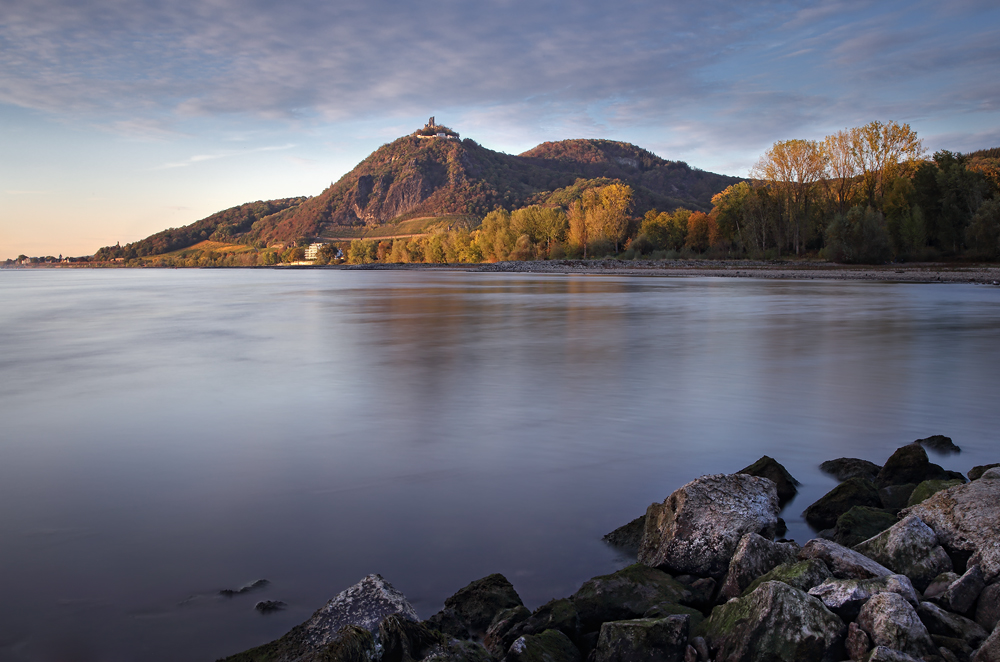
902, 273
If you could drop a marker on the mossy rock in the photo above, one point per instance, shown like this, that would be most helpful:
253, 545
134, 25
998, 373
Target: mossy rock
976, 472
895, 497
852, 492
643, 640
353, 644
861, 523
802, 575
403, 640
768, 467
625, 594
665, 609
628, 537
479, 602
549, 646
929, 488
909, 464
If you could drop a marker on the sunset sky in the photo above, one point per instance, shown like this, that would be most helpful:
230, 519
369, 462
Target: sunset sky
122, 118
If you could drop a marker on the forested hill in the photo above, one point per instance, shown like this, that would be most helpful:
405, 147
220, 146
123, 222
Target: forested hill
413, 177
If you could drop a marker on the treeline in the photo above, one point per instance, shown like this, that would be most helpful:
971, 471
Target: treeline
865, 194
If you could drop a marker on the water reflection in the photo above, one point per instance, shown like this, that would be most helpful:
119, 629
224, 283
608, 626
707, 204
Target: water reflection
171, 433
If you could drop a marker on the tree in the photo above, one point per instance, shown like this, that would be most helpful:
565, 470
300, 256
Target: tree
792, 168
841, 169
361, 251
882, 152
859, 236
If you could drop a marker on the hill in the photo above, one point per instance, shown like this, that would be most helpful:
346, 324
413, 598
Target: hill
433, 173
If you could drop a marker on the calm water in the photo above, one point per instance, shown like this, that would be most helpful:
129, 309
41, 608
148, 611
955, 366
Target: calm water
166, 434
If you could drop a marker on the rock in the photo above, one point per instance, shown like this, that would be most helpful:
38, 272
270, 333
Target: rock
643, 640
939, 585
252, 586
625, 594
966, 518
554, 615
802, 575
697, 528
892, 622
858, 643
944, 623
549, 646
690, 654
959, 649
845, 468
852, 492
754, 556
929, 488
403, 640
940, 443
346, 623
447, 621
478, 603
909, 464
496, 640
456, 651
665, 609
961, 595
628, 537
774, 622
845, 597
988, 607
768, 467
701, 646
975, 473
884, 654
991, 474
844, 563
702, 593
861, 523
910, 548
267, 606
990, 650
895, 497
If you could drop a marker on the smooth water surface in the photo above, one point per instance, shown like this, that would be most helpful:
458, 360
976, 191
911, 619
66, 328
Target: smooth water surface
169, 433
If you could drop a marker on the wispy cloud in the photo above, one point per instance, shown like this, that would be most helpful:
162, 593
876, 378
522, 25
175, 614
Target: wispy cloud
199, 158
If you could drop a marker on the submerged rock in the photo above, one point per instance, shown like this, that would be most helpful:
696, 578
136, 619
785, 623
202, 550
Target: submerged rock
861, 523
697, 528
802, 575
768, 467
940, 443
910, 548
850, 467
643, 640
754, 556
774, 623
252, 586
625, 594
892, 622
845, 597
844, 563
478, 603
966, 518
628, 537
909, 464
268, 606
852, 492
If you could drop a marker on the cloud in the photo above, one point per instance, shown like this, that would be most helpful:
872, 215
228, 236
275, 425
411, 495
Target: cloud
199, 158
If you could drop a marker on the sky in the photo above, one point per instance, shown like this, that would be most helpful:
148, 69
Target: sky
120, 118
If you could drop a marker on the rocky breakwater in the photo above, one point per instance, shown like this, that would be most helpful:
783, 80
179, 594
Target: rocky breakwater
712, 584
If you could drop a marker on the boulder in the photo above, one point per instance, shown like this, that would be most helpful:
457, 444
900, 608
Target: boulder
643, 640
966, 518
774, 622
988, 607
975, 473
768, 467
884, 654
850, 467
495, 640
858, 642
625, 594
892, 622
702, 592
696, 529
852, 492
946, 624
844, 563
478, 603
455, 651
989, 651
554, 615
268, 606
246, 588
939, 443
929, 488
909, 464
939, 585
845, 597
802, 575
447, 621
403, 640
628, 537
910, 548
347, 623
754, 556
961, 595
861, 523
895, 497
665, 609
958, 649
549, 646
991, 474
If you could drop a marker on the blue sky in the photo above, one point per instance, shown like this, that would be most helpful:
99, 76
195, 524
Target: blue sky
120, 118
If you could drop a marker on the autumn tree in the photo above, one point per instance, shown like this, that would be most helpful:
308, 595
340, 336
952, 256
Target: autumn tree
882, 152
792, 169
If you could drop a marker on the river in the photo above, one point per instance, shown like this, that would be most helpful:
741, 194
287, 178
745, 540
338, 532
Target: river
170, 433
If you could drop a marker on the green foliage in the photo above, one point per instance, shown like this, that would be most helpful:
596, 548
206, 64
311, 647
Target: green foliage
361, 251
858, 237
983, 233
